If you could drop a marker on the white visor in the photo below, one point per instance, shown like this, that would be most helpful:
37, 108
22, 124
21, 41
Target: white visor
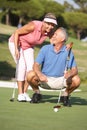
50, 20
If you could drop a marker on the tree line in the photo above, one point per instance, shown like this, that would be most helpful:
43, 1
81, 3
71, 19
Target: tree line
14, 12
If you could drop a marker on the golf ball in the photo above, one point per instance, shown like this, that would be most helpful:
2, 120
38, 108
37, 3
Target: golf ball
55, 109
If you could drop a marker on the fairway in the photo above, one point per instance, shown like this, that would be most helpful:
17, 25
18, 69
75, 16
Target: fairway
24, 116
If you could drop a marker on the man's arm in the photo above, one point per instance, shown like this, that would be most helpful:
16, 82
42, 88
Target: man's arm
37, 70
71, 73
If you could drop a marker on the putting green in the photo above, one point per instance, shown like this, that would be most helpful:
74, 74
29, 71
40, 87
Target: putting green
24, 116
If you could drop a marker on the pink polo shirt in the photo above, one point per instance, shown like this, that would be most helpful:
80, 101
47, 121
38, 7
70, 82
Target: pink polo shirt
31, 39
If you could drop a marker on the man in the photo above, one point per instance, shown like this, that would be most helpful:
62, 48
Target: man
49, 68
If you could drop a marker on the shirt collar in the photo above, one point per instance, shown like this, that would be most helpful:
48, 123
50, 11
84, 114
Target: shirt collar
62, 49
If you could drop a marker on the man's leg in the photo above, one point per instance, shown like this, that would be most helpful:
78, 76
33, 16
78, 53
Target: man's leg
72, 85
33, 81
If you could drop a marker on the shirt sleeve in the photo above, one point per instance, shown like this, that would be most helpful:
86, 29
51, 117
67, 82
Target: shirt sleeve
41, 56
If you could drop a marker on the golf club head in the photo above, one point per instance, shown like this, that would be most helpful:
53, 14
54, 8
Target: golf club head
12, 100
57, 106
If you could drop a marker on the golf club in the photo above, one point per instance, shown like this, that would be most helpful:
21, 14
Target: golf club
14, 87
66, 68
13, 93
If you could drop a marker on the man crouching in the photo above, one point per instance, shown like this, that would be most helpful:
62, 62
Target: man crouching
52, 69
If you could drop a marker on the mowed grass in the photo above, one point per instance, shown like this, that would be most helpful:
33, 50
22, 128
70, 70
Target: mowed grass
24, 116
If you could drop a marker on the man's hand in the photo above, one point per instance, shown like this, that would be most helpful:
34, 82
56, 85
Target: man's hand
68, 77
38, 72
42, 77
67, 74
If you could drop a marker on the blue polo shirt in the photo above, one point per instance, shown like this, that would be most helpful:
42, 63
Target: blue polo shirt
53, 64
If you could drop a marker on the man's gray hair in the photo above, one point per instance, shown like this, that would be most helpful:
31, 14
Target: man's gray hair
64, 32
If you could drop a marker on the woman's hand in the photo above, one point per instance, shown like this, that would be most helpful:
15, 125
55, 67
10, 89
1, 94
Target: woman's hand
69, 46
17, 54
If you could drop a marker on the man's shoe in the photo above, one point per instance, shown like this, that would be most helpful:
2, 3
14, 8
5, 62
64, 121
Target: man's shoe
27, 98
62, 99
36, 98
21, 98
66, 101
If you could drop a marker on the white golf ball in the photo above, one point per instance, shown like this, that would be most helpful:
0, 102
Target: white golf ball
55, 109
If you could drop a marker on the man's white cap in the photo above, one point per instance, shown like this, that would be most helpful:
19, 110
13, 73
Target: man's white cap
50, 18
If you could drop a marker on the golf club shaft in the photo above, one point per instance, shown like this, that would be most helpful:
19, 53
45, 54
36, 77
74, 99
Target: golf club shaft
13, 93
66, 69
59, 95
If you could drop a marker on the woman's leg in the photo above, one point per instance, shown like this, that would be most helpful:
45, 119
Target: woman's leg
21, 72
19, 77
29, 61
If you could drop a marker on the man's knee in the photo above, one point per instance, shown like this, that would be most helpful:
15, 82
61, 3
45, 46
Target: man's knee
32, 78
30, 75
76, 80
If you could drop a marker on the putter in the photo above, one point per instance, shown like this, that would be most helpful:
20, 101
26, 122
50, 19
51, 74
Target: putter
66, 68
13, 93
58, 104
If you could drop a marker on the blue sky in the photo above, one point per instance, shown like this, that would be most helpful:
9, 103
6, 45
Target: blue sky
69, 1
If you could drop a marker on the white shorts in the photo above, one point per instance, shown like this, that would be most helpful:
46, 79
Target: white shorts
25, 62
54, 83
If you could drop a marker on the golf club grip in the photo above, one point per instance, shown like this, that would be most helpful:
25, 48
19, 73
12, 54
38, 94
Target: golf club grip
69, 53
71, 44
68, 58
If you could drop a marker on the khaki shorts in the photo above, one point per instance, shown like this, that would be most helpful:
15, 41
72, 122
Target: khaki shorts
54, 83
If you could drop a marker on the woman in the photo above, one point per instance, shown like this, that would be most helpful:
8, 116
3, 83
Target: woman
21, 45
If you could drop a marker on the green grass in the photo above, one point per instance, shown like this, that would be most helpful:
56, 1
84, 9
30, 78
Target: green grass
24, 116
6, 29
7, 65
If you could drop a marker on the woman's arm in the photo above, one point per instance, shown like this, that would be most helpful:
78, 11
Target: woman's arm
28, 28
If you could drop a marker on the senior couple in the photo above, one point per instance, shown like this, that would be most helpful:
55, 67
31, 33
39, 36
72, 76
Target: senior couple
48, 70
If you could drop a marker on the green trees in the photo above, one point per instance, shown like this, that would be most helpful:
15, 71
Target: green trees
28, 8
82, 4
76, 21
52, 6
22, 11
32, 9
